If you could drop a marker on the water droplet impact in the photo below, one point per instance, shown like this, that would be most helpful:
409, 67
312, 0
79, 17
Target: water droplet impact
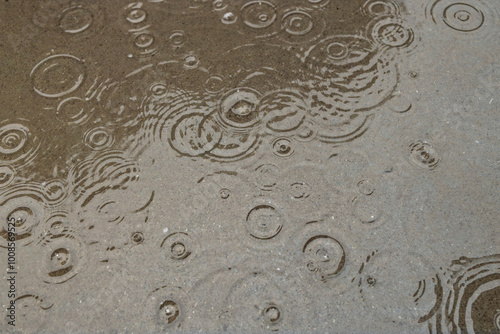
238, 109
463, 17
258, 14
143, 40
283, 111
271, 314
282, 147
18, 145
195, 135
392, 34
137, 238
98, 139
366, 187
58, 75
324, 256
167, 307
264, 222
136, 15
169, 311
26, 213
63, 259
76, 20
299, 190
177, 38
424, 155
191, 61
367, 210
381, 8
224, 193
177, 246
214, 84
219, 5
266, 177
297, 23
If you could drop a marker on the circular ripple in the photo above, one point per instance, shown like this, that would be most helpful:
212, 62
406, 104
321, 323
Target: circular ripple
238, 109
301, 26
258, 14
7, 175
58, 75
282, 111
62, 259
424, 155
167, 308
472, 301
177, 246
98, 139
75, 20
324, 256
463, 17
195, 134
398, 287
18, 145
27, 213
264, 222
378, 8
73, 110
282, 147
266, 176
136, 15
392, 34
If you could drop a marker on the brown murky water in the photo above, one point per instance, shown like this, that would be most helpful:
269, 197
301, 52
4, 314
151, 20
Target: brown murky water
325, 166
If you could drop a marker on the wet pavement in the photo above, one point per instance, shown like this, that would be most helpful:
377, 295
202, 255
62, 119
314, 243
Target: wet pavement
328, 166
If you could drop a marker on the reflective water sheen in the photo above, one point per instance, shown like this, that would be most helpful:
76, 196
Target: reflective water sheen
250, 166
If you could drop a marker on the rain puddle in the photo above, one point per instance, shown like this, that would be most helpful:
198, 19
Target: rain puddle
326, 166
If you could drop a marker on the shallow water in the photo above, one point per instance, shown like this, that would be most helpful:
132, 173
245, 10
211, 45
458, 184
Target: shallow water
250, 166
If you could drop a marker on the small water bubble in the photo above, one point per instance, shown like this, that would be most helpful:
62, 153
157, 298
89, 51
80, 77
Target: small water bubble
229, 18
